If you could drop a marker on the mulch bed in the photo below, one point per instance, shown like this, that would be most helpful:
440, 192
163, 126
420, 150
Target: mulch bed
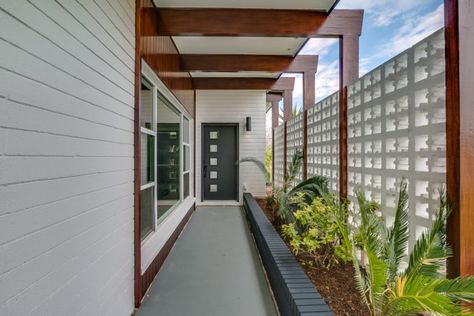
336, 285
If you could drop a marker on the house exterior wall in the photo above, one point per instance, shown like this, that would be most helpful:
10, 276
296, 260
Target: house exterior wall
233, 106
66, 157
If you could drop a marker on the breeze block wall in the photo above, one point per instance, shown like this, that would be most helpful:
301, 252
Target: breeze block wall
323, 140
66, 157
396, 130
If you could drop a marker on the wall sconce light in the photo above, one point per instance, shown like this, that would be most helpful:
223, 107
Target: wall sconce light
248, 123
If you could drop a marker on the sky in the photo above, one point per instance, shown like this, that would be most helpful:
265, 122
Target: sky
389, 27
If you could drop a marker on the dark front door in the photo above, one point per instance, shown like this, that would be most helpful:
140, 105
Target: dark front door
219, 164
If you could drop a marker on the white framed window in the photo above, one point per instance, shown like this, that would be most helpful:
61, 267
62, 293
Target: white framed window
186, 157
148, 191
165, 178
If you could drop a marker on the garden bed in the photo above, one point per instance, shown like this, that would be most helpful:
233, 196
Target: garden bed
337, 285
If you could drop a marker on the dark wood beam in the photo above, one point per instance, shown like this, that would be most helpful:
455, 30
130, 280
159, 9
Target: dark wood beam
287, 105
244, 83
274, 97
233, 83
230, 63
459, 134
308, 89
251, 22
283, 84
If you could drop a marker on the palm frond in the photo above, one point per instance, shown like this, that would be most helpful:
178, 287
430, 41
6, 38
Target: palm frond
458, 289
293, 169
431, 251
360, 279
398, 234
418, 294
261, 166
377, 271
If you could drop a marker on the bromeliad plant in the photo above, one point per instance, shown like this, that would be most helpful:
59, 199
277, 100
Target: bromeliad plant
420, 287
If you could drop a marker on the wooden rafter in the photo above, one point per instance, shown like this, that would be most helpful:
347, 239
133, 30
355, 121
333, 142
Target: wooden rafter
230, 63
251, 22
243, 83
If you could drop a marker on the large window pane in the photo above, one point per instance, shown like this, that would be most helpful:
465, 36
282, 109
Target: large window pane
146, 102
185, 130
147, 159
186, 185
186, 158
147, 201
168, 156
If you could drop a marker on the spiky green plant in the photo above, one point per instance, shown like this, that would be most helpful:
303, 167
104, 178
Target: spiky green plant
309, 189
261, 166
420, 287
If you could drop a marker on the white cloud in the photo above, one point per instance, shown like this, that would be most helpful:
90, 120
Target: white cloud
318, 46
327, 80
412, 31
383, 12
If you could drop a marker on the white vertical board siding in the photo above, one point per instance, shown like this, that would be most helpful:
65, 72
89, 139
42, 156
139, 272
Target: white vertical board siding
233, 106
66, 157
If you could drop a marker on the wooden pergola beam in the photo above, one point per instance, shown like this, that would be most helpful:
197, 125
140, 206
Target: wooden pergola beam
231, 63
283, 84
280, 84
250, 22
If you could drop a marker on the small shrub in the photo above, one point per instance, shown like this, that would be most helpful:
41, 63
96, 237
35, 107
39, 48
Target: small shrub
320, 229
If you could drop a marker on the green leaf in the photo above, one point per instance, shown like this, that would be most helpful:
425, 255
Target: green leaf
261, 166
398, 234
431, 251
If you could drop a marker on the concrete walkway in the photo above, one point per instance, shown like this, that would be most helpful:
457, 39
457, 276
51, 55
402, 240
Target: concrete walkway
213, 270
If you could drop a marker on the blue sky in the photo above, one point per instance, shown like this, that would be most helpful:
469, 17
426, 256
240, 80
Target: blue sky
389, 27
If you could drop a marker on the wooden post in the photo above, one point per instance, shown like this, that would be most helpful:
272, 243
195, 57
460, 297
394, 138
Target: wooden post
459, 20
284, 148
305, 144
308, 102
348, 73
308, 89
287, 104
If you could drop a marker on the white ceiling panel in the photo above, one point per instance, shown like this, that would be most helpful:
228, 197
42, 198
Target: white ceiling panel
319, 5
238, 45
236, 74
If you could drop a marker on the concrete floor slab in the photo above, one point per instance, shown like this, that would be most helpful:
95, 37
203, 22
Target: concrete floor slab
213, 270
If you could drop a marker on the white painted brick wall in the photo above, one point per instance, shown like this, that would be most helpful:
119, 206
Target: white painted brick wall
66, 157
233, 106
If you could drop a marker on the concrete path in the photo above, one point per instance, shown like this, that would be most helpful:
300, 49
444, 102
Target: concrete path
213, 270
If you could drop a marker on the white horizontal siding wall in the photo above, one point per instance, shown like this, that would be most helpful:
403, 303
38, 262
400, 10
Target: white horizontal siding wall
66, 157
233, 106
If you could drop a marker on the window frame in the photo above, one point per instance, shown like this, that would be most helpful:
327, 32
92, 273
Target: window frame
158, 93
150, 132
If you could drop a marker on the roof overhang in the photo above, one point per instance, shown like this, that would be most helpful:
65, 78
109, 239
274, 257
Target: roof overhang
318, 5
248, 43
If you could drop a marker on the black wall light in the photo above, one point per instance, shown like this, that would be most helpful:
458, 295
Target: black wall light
248, 123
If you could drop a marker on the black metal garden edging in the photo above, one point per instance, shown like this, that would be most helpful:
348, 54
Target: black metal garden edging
293, 291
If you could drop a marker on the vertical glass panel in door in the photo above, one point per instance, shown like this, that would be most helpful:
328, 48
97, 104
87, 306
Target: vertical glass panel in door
168, 156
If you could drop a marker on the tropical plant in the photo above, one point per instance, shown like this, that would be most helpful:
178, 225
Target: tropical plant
295, 111
268, 158
261, 166
320, 230
309, 189
385, 287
